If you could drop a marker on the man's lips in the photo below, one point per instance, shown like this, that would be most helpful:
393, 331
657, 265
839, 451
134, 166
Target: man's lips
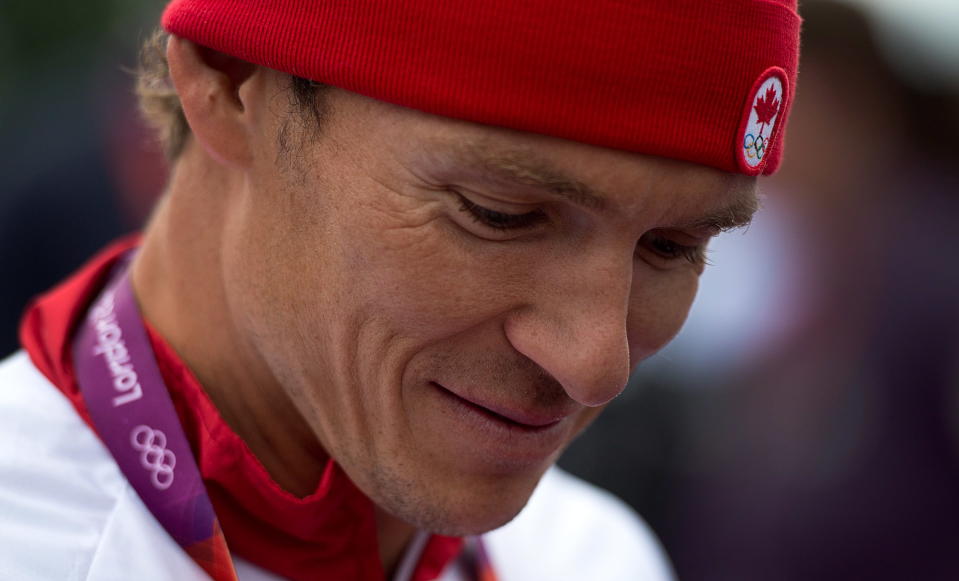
534, 420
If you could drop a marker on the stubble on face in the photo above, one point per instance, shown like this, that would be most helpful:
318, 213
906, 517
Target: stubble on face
485, 502
363, 286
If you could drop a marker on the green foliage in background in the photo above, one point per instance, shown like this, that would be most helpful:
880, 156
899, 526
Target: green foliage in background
38, 31
40, 38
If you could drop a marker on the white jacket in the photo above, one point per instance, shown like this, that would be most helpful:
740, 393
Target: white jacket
67, 512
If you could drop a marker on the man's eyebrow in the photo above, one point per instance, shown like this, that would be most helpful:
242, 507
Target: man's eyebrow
527, 170
738, 214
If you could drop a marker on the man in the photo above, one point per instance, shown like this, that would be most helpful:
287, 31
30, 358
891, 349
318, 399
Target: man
403, 291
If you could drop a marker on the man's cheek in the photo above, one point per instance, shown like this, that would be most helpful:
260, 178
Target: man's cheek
378, 239
431, 307
413, 255
657, 314
439, 299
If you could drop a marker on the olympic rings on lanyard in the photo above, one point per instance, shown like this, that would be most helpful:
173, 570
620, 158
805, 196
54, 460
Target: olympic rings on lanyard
153, 455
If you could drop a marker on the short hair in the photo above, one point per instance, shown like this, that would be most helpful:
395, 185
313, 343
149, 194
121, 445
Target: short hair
160, 105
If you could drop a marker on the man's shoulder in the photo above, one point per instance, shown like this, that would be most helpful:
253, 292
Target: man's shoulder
66, 511
571, 529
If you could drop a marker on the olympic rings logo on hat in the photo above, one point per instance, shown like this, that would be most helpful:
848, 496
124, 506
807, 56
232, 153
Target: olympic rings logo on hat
762, 117
755, 146
153, 455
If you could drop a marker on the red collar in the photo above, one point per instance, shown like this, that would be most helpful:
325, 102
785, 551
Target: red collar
330, 534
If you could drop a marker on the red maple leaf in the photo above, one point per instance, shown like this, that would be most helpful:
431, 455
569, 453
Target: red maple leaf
767, 106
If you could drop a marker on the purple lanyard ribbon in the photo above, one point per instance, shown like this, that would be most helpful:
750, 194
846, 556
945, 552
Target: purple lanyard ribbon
135, 418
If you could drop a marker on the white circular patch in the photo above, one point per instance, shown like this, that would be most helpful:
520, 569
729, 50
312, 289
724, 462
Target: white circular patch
767, 103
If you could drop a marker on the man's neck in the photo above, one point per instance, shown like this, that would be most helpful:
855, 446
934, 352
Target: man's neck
176, 279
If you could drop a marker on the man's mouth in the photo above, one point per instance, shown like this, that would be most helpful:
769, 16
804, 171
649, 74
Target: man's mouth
482, 432
513, 417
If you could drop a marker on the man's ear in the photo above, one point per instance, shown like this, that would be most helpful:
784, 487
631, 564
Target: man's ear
208, 84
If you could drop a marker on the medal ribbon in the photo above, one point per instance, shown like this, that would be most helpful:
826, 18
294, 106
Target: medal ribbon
134, 416
484, 567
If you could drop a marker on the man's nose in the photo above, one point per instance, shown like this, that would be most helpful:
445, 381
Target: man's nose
575, 328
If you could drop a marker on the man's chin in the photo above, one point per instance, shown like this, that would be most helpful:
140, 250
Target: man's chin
459, 523
466, 509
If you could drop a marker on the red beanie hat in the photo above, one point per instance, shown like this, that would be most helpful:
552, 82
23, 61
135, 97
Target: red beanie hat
703, 81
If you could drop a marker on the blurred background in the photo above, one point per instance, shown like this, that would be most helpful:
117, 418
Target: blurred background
805, 423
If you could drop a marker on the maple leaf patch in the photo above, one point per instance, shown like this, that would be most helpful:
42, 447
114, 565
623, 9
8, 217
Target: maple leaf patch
767, 107
762, 112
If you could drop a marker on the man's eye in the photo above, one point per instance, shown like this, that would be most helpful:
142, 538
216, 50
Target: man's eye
499, 220
672, 250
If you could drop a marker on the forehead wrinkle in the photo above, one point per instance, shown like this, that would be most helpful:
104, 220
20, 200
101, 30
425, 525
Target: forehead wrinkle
524, 168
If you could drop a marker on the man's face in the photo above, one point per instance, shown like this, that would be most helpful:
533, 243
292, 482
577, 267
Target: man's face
449, 304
